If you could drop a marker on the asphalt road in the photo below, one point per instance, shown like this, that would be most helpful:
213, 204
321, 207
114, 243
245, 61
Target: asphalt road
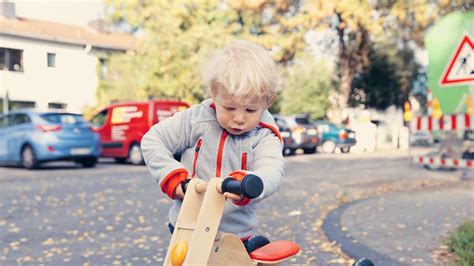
116, 214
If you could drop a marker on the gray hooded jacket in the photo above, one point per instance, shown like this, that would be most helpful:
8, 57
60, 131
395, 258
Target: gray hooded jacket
207, 151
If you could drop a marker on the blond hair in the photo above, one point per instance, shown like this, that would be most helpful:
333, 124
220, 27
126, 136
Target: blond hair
245, 70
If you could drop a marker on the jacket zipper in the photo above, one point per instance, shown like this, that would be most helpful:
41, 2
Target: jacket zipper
244, 161
196, 155
220, 152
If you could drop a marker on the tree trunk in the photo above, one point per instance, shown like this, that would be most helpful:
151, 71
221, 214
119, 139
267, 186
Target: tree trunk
340, 98
353, 57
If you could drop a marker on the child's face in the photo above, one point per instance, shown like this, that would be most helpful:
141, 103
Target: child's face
236, 117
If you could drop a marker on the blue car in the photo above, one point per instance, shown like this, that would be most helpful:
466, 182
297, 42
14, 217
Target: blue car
333, 137
30, 137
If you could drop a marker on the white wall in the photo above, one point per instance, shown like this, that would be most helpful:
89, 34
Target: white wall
73, 81
74, 12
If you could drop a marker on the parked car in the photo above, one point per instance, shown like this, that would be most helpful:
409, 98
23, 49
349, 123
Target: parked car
301, 133
421, 138
29, 138
333, 137
468, 154
122, 125
468, 135
289, 144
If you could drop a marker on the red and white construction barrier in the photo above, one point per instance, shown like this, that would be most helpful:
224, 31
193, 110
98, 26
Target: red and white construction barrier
439, 162
446, 122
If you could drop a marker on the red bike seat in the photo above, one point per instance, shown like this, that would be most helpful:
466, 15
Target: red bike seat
275, 251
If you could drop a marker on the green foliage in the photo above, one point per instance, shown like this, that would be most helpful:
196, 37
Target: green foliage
177, 36
461, 242
413, 18
180, 35
276, 25
276, 106
359, 23
125, 81
307, 89
354, 22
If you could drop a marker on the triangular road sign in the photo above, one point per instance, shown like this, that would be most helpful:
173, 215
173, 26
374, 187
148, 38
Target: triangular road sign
460, 69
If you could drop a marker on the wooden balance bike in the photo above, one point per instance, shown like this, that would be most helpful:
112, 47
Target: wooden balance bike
196, 239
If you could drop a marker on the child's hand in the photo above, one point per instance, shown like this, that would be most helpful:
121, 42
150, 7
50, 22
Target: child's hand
228, 195
179, 193
233, 196
181, 189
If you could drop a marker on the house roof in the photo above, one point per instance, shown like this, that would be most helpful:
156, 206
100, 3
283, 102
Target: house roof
57, 32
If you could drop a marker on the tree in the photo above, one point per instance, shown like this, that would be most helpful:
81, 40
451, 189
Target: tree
307, 89
361, 24
179, 35
355, 22
378, 86
125, 80
277, 25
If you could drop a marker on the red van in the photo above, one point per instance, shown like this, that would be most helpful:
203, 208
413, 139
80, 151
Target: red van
122, 125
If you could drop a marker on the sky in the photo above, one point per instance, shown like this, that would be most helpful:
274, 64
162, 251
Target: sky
75, 12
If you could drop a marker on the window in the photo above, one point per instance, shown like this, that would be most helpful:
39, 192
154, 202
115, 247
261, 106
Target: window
104, 67
63, 118
11, 59
51, 60
2, 101
13, 105
57, 105
19, 119
99, 119
3, 59
323, 128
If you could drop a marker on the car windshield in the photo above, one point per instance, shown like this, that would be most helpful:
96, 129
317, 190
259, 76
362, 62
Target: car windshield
324, 122
303, 120
63, 118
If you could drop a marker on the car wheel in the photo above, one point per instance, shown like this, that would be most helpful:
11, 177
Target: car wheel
28, 158
345, 149
88, 163
120, 160
329, 146
288, 152
135, 154
309, 150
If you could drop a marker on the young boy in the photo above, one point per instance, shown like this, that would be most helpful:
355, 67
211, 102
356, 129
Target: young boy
231, 134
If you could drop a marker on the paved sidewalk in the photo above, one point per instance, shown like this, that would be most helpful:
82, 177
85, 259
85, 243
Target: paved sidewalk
402, 228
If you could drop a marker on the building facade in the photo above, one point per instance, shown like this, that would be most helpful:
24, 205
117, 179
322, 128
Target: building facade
48, 65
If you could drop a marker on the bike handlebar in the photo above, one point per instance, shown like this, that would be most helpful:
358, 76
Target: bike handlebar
251, 186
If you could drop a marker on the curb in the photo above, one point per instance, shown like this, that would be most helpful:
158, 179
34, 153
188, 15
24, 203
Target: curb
350, 246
